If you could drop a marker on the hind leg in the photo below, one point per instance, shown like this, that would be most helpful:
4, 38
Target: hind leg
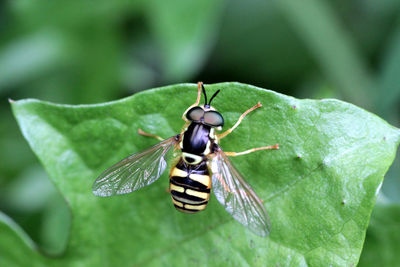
199, 86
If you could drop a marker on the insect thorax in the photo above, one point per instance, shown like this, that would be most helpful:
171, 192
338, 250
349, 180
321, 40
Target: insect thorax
196, 142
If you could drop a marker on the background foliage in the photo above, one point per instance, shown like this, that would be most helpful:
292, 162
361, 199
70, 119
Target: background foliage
79, 53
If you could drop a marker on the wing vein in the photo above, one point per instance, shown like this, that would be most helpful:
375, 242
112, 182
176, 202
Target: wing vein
135, 171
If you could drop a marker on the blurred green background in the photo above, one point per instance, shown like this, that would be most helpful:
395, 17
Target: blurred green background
82, 52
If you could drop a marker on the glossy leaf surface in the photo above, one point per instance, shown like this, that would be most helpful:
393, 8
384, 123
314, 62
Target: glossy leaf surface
319, 188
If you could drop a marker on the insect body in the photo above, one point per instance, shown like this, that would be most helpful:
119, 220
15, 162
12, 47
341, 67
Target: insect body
201, 166
190, 180
190, 186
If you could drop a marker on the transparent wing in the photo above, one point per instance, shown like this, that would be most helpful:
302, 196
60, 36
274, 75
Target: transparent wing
237, 196
134, 172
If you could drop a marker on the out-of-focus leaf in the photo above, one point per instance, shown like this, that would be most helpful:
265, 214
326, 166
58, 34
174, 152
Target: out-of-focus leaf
14, 154
319, 188
257, 44
390, 79
185, 32
332, 46
11, 235
22, 193
391, 187
29, 57
33, 195
387, 105
382, 243
104, 42
56, 222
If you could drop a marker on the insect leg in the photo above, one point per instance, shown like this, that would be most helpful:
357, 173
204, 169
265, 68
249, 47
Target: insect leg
199, 86
184, 128
141, 132
234, 154
222, 135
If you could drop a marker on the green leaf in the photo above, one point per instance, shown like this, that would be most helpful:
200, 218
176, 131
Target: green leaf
382, 244
319, 188
389, 78
29, 57
332, 46
386, 104
185, 32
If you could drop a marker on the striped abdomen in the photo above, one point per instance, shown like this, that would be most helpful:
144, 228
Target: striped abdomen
190, 186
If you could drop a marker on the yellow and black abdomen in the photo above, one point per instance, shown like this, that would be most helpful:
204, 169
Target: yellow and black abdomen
190, 186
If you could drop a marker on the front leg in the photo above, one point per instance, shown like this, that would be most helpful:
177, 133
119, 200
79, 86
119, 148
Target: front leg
199, 87
222, 135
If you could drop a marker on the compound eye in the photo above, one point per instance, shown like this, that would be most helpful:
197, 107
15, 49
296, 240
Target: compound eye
195, 114
213, 118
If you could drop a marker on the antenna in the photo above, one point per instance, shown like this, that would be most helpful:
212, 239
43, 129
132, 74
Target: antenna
214, 95
205, 95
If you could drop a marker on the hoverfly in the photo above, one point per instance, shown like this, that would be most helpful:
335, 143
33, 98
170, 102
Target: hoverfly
201, 166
